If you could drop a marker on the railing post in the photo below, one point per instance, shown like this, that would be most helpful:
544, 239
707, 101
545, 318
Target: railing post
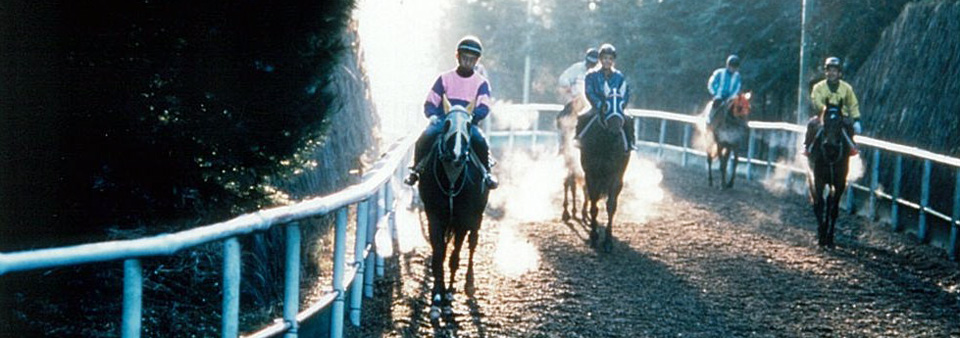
339, 253
392, 220
749, 155
874, 179
895, 198
370, 260
955, 217
924, 202
231, 287
374, 260
291, 276
686, 143
663, 135
536, 128
636, 133
132, 298
356, 290
770, 152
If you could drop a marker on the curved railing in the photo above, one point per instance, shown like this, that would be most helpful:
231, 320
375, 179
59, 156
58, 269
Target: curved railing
374, 202
871, 147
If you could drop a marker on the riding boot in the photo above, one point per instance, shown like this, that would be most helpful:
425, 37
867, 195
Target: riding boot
421, 148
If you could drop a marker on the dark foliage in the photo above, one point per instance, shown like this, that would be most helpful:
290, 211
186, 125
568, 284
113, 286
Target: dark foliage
669, 48
128, 111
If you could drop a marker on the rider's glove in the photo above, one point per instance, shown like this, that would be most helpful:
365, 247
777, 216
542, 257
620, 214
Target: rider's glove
857, 129
434, 119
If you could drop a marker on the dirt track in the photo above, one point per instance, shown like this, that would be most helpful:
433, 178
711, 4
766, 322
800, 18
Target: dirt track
698, 262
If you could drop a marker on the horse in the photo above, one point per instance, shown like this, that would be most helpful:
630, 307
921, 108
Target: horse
454, 197
566, 125
604, 155
829, 163
729, 126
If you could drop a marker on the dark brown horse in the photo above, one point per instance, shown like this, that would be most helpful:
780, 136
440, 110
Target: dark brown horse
829, 163
728, 128
604, 155
454, 198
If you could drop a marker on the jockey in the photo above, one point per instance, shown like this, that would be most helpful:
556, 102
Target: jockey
461, 86
724, 84
571, 80
606, 76
836, 92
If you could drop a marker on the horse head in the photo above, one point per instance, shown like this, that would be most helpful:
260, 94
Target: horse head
832, 134
613, 117
740, 105
455, 140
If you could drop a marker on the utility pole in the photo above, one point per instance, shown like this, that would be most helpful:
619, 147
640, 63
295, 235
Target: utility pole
526, 59
803, 91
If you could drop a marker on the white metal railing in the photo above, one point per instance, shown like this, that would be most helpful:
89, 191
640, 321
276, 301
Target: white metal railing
374, 201
878, 146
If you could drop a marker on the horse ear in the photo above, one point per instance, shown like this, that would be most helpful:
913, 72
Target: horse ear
470, 108
446, 104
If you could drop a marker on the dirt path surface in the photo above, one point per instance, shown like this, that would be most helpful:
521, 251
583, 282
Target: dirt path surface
687, 261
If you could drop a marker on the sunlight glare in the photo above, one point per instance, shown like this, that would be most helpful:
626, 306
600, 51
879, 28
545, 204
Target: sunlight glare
400, 59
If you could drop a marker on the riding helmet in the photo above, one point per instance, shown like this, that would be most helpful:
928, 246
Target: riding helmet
733, 60
607, 49
592, 55
832, 61
470, 44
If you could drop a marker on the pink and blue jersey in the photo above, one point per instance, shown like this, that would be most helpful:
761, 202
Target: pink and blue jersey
459, 91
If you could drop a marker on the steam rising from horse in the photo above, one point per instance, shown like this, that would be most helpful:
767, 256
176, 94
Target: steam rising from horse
454, 198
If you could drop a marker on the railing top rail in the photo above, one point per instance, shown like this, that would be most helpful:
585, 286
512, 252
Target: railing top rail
167, 244
889, 146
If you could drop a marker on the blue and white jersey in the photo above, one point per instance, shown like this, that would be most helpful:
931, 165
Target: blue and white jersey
599, 88
724, 84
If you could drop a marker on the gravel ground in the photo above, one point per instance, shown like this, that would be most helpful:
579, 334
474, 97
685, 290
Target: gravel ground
688, 261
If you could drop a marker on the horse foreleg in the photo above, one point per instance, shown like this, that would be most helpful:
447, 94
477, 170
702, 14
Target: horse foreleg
567, 188
469, 287
818, 206
583, 209
454, 264
612, 197
724, 157
733, 172
834, 213
710, 168
439, 244
594, 210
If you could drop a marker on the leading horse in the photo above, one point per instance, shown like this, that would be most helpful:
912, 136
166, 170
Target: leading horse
454, 197
829, 161
604, 155
729, 126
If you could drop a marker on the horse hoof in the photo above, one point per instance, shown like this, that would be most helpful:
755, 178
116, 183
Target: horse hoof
434, 313
566, 216
447, 311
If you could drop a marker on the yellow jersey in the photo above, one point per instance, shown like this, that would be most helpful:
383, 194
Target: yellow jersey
821, 95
